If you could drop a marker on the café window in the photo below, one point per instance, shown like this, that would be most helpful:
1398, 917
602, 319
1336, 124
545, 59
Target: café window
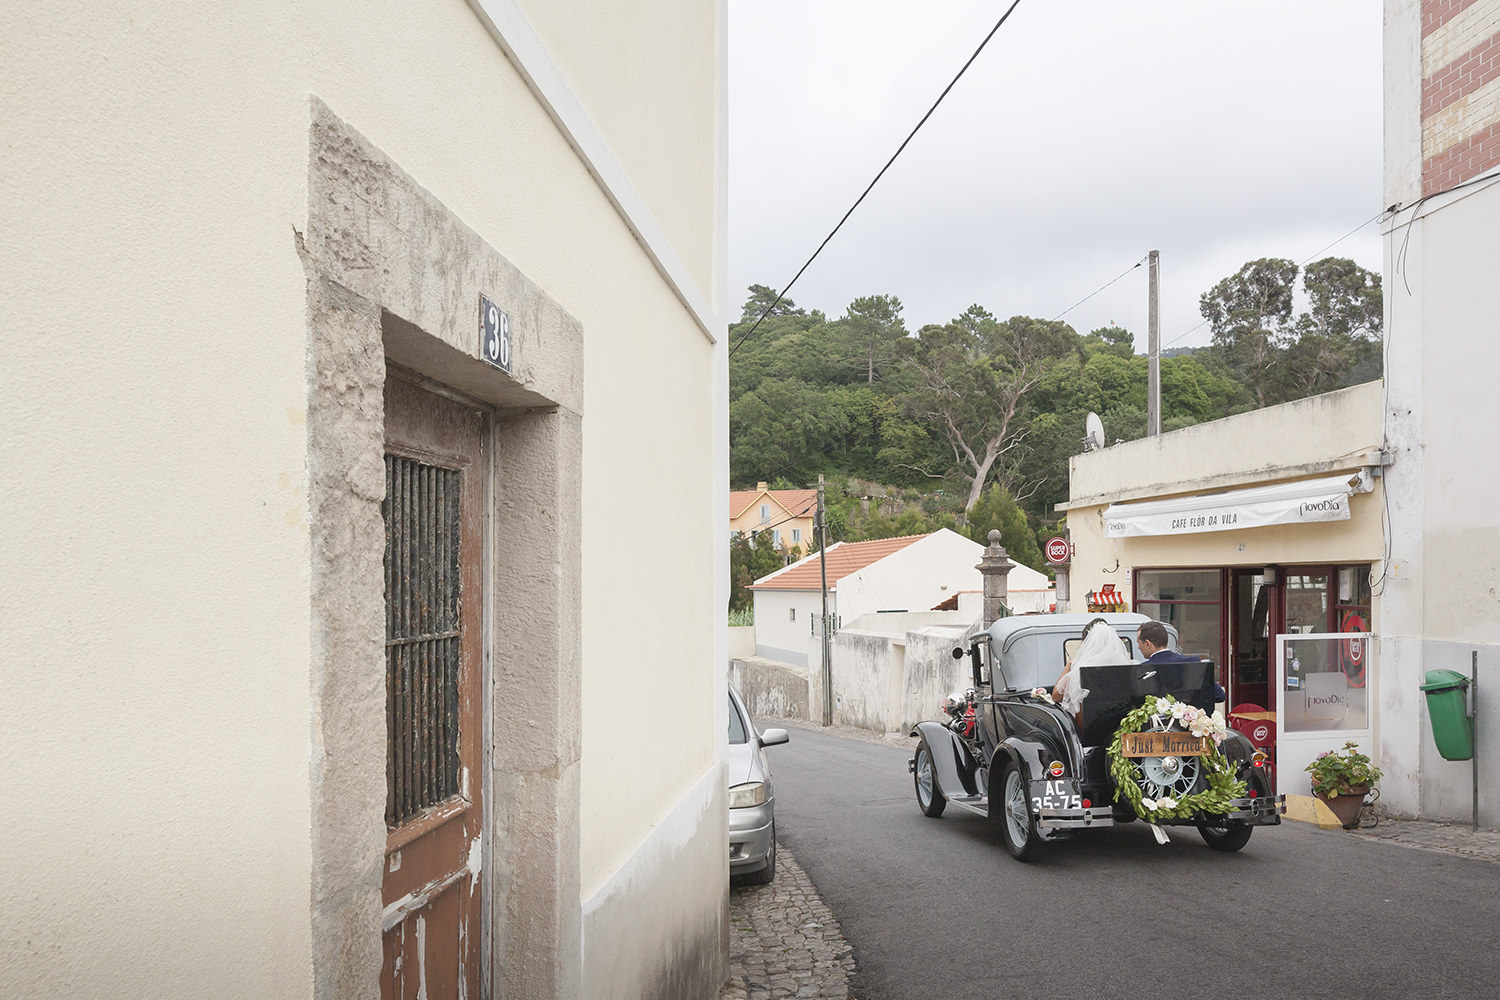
1189, 600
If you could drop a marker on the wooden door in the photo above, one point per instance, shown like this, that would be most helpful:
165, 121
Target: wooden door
433, 584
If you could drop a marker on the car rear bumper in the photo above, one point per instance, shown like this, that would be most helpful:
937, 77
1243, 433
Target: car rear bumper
1264, 810
1074, 819
750, 833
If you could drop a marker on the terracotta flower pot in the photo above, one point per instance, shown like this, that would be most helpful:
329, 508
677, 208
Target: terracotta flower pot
1346, 807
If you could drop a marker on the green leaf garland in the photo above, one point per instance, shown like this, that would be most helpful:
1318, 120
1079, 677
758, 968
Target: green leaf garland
1223, 787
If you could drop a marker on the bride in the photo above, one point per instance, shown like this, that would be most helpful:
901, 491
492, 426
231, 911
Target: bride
1101, 646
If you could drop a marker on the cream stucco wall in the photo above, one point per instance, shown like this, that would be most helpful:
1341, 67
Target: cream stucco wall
1337, 431
155, 591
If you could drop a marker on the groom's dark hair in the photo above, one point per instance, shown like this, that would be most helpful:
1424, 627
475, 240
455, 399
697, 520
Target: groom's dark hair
1154, 633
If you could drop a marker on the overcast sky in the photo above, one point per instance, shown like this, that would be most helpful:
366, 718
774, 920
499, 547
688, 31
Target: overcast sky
1086, 133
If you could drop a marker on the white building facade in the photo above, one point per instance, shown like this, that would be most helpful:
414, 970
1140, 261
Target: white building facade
334, 332
1442, 248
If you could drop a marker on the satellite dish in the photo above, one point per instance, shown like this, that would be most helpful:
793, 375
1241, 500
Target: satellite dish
1093, 428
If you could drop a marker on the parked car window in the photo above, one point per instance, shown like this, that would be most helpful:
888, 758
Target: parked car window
736, 725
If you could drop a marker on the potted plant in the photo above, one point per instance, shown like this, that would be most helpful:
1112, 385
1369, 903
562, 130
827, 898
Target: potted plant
1342, 778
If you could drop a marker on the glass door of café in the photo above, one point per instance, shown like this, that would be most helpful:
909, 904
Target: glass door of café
1254, 616
1323, 658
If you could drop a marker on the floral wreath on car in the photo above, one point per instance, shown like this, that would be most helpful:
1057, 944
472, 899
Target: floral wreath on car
1169, 715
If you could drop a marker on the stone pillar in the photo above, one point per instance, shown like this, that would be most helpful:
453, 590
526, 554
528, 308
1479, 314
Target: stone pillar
995, 567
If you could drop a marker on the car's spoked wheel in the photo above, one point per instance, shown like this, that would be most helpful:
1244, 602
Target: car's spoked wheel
1017, 825
1170, 776
929, 796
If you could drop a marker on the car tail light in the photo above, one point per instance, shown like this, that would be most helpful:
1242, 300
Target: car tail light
1055, 769
1087, 804
1254, 793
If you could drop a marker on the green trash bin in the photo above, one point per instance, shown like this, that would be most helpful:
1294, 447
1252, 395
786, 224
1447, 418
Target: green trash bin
1452, 728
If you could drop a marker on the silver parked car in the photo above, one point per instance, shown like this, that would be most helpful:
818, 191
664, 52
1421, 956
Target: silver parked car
752, 800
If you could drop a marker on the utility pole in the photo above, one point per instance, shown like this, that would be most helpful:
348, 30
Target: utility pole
1153, 378
821, 525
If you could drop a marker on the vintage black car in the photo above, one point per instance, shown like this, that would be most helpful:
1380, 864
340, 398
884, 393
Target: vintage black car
1051, 775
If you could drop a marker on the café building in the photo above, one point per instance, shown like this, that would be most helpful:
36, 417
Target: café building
1260, 538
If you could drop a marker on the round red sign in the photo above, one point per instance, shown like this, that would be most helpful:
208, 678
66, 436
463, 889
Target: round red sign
1057, 550
1354, 648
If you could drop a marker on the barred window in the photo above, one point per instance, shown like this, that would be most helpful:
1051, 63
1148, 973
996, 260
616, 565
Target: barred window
422, 635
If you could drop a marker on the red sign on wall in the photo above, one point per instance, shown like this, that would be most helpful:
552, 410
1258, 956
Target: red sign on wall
1057, 550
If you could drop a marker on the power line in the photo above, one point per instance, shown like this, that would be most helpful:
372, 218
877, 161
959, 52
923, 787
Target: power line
764, 313
1096, 291
1301, 264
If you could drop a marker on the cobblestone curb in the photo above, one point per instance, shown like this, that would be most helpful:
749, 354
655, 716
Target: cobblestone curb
784, 941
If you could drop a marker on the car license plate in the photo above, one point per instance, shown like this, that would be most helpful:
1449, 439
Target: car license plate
1163, 745
1056, 793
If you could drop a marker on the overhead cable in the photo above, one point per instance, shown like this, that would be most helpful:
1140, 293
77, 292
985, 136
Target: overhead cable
1101, 288
780, 295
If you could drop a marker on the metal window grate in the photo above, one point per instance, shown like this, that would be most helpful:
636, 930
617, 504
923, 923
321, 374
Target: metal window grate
422, 635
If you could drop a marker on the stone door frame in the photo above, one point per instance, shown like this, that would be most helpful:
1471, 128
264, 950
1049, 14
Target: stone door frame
393, 283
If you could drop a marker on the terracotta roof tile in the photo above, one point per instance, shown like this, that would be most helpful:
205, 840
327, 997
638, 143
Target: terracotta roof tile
843, 558
797, 503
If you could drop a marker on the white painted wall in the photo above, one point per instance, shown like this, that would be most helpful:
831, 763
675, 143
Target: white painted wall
1439, 592
918, 577
783, 623
155, 589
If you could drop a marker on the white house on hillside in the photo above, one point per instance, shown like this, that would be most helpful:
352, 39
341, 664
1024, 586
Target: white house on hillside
910, 573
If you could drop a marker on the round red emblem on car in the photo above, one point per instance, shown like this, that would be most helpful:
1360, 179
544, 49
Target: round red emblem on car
1055, 768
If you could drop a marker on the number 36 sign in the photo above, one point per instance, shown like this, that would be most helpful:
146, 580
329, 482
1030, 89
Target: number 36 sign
494, 335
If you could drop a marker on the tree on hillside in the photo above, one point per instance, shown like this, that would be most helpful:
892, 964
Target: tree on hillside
873, 328
997, 509
1344, 299
760, 300
1249, 313
975, 405
750, 558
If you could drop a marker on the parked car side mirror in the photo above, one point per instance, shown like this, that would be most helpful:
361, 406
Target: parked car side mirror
773, 737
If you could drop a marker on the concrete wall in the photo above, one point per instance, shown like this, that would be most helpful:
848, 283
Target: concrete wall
770, 688
741, 641
160, 189
891, 671
1439, 593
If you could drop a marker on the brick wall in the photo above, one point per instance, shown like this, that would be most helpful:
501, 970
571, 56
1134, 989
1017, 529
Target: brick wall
1460, 91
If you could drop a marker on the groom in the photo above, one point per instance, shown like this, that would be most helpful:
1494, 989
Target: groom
1153, 640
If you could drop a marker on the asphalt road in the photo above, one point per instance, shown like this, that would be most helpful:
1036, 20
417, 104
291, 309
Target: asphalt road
936, 908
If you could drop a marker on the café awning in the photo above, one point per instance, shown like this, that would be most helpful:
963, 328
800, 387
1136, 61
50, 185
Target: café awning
1304, 501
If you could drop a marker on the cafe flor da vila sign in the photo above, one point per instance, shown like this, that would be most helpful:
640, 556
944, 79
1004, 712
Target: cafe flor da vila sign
1304, 501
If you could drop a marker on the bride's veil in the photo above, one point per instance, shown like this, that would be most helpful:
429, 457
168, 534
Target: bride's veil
1101, 646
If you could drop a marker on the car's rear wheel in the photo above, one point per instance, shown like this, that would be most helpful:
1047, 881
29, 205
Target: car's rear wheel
1225, 835
1017, 824
929, 796
766, 874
